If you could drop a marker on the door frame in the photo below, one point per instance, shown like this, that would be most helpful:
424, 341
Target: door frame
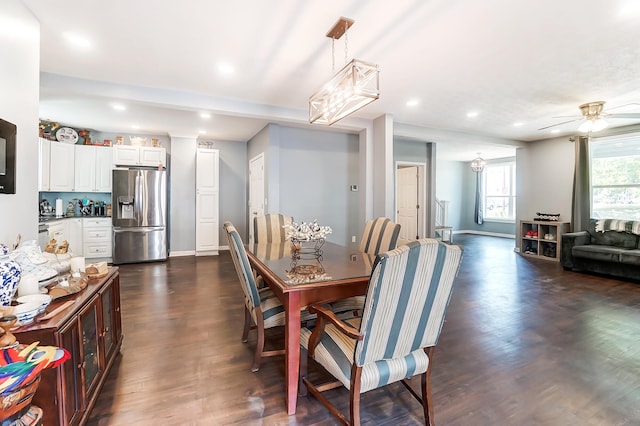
264, 187
422, 193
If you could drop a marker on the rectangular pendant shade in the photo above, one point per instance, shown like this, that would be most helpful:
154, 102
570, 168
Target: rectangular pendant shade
354, 86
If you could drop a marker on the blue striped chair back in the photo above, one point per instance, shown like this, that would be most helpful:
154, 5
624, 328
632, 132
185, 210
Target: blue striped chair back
408, 294
269, 228
379, 235
241, 262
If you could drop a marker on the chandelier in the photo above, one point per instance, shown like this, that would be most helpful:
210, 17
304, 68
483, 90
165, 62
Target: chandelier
354, 86
478, 164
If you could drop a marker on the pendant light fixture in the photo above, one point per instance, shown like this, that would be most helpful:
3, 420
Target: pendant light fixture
354, 86
478, 164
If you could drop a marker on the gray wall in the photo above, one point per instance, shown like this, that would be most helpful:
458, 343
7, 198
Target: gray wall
309, 173
544, 178
450, 187
182, 197
468, 206
233, 186
317, 169
418, 152
19, 82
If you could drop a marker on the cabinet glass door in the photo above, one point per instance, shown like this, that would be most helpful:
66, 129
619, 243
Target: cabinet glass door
72, 374
108, 328
90, 352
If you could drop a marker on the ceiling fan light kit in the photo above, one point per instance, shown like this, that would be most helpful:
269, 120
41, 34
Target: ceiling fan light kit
592, 114
354, 86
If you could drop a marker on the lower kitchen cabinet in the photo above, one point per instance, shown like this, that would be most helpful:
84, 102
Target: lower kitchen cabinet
97, 237
91, 330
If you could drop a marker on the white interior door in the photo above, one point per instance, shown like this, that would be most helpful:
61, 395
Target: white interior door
256, 190
410, 196
207, 203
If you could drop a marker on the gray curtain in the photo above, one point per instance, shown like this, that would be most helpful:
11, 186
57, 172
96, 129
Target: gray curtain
478, 212
581, 203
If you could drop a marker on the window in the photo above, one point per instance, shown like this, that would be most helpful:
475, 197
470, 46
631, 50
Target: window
500, 191
615, 177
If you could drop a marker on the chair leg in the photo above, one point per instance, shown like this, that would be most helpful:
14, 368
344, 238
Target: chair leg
260, 344
354, 395
427, 402
304, 367
247, 325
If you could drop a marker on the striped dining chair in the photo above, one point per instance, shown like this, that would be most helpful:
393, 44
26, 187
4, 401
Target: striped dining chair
262, 309
380, 235
269, 228
409, 291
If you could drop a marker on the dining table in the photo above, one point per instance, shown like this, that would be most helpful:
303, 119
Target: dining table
302, 274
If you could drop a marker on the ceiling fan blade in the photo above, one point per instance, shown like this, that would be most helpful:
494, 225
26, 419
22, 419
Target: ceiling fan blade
631, 115
559, 124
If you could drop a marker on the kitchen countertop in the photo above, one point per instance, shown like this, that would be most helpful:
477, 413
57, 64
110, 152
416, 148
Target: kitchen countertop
44, 219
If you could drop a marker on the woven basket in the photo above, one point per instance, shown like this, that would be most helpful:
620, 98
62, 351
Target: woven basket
16, 403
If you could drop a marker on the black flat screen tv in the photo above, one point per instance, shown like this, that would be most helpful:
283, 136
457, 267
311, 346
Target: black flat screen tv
7, 157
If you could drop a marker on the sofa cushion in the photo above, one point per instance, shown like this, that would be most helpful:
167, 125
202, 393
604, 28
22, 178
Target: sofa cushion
631, 257
598, 252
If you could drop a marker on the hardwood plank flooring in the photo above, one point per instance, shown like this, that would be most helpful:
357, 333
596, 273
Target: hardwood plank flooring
524, 343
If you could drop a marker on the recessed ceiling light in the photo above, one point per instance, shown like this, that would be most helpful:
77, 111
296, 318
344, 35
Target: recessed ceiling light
472, 114
202, 132
205, 115
555, 131
629, 8
226, 68
77, 40
518, 124
135, 126
412, 102
119, 107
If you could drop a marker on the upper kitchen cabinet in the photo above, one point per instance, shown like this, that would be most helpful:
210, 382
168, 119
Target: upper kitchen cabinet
61, 167
44, 165
92, 168
134, 155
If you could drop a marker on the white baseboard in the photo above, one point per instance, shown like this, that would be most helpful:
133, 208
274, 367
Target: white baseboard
200, 253
490, 234
207, 253
182, 253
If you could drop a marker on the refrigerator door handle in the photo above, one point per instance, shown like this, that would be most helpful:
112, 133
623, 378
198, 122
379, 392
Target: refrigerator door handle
137, 230
138, 199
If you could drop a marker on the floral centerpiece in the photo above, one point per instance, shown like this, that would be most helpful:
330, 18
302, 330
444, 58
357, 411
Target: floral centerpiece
307, 233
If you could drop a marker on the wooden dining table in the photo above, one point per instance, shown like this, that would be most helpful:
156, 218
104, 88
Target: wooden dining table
300, 278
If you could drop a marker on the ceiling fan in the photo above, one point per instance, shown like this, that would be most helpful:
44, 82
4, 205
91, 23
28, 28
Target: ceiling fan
594, 117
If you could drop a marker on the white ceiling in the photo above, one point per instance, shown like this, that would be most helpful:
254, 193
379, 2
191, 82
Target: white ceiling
509, 61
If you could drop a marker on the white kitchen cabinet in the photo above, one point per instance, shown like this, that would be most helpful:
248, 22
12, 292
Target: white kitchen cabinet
96, 232
73, 234
44, 169
145, 156
69, 230
207, 202
61, 167
57, 230
92, 169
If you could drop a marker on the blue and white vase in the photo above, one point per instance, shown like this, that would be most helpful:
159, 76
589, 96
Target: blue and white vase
10, 272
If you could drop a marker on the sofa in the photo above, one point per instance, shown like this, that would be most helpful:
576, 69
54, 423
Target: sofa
607, 247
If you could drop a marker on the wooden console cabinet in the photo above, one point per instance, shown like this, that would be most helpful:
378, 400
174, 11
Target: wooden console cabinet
91, 330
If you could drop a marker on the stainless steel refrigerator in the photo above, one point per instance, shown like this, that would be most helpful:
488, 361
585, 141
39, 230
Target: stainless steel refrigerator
139, 214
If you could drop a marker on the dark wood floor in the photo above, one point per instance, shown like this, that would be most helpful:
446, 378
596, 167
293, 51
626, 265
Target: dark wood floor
524, 343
